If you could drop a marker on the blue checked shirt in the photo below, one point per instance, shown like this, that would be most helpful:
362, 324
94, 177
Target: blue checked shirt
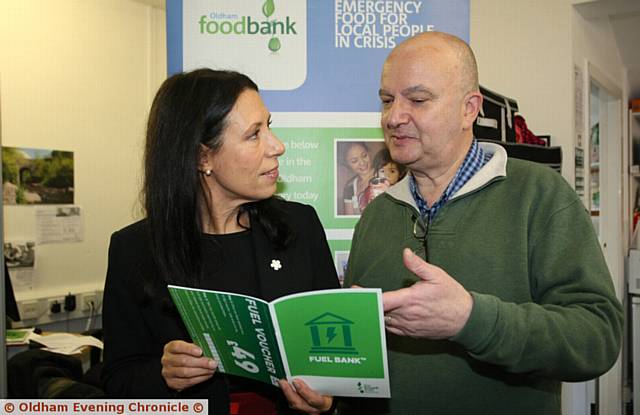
473, 162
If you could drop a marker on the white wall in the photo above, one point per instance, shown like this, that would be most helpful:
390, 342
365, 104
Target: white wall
526, 50
79, 76
594, 40
523, 50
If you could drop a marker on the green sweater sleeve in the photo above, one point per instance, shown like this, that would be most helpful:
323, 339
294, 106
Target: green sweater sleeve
571, 330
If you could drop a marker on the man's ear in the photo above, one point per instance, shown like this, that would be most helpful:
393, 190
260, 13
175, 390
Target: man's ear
472, 106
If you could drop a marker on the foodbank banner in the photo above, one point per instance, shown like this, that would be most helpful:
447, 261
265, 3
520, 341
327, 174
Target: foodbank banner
318, 64
313, 55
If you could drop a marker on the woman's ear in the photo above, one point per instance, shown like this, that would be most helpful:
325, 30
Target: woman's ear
203, 159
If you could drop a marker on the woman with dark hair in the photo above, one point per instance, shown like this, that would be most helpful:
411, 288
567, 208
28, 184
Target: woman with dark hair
358, 160
212, 222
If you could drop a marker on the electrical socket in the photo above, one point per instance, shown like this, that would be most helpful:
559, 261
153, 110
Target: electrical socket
70, 303
86, 301
52, 301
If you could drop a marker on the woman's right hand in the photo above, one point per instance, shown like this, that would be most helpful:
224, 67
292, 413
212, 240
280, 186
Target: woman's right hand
183, 365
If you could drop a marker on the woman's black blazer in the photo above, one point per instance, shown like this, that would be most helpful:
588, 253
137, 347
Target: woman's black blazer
136, 328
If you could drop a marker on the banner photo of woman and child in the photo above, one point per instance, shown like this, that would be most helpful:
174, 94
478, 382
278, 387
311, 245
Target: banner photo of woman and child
364, 170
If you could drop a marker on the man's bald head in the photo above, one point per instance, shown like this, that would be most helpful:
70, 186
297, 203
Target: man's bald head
437, 44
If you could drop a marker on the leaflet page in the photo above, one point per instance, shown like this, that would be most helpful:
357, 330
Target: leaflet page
234, 329
335, 341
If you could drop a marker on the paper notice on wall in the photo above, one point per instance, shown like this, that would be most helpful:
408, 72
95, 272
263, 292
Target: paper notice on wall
59, 225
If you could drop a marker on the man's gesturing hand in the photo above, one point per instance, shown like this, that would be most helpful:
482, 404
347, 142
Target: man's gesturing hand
436, 307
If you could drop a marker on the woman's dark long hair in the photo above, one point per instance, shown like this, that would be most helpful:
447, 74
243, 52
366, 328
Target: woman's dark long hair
190, 109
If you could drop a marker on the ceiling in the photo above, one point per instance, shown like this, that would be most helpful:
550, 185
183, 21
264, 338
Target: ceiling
624, 16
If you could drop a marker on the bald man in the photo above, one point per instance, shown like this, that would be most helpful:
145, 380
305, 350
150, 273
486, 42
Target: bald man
495, 287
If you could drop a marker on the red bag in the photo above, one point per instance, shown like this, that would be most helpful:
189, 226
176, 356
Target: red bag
524, 135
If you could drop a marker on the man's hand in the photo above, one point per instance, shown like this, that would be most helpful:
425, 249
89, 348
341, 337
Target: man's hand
305, 399
437, 307
183, 365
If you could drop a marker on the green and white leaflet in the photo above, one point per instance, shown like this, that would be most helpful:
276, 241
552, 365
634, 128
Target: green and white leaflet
334, 340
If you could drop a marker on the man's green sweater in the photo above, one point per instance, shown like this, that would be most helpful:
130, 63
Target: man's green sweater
519, 239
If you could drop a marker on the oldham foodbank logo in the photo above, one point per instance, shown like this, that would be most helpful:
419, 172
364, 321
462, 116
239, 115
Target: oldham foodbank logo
233, 24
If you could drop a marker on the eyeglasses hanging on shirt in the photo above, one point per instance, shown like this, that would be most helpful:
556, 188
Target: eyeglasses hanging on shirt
420, 228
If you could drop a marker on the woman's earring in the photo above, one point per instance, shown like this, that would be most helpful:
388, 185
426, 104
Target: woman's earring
208, 172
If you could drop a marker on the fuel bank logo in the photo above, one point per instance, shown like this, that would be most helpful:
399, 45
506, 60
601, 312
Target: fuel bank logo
226, 24
331, 333
266, 39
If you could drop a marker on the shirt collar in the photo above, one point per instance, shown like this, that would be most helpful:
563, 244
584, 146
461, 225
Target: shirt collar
473, 161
